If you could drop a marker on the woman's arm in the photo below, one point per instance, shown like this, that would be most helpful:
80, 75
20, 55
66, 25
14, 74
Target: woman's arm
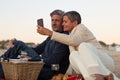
78, 35
71, 40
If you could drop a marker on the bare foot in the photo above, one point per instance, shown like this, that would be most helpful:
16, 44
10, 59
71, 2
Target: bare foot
99, 77
109, 77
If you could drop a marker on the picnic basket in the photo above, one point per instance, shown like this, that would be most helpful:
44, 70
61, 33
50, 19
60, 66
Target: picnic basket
22, 70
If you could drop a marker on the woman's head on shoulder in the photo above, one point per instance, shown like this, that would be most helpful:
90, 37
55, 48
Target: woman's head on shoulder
73, 15
70, 20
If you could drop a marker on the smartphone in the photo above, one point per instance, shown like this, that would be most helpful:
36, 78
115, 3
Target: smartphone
40, 22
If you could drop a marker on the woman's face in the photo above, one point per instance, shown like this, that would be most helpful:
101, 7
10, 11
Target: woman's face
67, 24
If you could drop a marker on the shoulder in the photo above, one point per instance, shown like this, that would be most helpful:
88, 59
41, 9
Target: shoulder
47, 39
59, 44
65, 32
81, 26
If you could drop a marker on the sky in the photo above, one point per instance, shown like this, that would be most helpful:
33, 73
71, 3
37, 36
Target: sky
18, 18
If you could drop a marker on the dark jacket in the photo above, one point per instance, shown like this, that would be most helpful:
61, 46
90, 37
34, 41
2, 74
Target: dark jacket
52, 53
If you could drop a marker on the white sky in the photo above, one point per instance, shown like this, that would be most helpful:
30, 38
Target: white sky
18, 18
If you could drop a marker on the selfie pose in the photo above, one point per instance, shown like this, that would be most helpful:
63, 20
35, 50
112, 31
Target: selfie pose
87, 56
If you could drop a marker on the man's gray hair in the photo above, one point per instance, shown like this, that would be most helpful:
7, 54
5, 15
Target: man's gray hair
57, 12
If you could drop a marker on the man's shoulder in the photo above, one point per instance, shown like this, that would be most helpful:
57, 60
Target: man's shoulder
59, 44
65, 32
47, 39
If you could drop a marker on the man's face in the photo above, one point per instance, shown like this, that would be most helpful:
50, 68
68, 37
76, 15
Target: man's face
56, 22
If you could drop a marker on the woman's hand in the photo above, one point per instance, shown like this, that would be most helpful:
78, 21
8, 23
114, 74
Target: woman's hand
44, 31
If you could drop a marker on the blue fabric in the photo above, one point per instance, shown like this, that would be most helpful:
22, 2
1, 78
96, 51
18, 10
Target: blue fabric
16, 50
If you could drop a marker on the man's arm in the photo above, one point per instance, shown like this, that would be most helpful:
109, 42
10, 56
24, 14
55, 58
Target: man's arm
41, 47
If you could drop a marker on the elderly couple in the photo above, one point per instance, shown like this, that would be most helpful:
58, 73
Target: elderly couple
87, 57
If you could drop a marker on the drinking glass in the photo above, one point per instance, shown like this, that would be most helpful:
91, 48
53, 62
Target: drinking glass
55, 68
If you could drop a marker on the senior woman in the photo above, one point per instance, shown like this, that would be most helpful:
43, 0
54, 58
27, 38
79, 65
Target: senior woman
87, 55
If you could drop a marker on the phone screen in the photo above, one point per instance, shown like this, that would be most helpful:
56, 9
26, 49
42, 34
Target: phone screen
40, 22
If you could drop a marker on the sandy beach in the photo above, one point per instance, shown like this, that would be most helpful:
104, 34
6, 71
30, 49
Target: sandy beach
116, 58
115, 55
2, 51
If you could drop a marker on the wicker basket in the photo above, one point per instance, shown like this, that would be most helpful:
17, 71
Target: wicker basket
22, 71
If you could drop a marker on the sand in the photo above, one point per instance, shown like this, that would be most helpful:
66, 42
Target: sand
2, 51
116, 58
113, 54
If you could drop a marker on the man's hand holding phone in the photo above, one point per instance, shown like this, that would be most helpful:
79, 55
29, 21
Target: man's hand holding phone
40, 22
41, 29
